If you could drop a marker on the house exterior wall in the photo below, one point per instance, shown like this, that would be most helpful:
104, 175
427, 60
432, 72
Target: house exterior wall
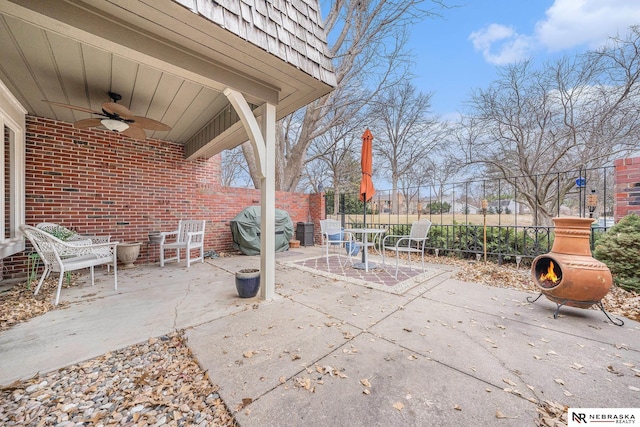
627, 187
99, 182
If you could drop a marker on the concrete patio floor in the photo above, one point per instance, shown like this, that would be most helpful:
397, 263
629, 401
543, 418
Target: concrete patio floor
431, 351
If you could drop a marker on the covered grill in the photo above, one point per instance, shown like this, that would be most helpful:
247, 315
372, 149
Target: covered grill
245, 229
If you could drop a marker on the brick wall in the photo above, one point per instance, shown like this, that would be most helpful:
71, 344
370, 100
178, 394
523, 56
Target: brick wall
100, 182
627, 187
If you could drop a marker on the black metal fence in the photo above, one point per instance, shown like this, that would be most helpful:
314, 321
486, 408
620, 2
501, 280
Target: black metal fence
459, 222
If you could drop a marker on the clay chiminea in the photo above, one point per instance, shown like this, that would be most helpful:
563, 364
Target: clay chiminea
569, 275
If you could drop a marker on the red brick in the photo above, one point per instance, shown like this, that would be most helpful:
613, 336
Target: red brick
148, 185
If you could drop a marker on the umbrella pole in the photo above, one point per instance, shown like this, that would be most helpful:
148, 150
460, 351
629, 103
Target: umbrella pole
364, 225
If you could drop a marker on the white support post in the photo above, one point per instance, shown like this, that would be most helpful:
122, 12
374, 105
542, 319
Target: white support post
268, 205
263, 139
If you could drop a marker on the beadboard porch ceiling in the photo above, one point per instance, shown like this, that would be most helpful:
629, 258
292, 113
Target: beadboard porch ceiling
168, 63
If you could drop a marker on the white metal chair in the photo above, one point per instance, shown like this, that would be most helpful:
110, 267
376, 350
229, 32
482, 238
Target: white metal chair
63, 233
188, 236
415, 242
333, 236
60, 256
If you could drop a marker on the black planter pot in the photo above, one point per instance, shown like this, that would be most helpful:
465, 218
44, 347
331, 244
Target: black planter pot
248, 282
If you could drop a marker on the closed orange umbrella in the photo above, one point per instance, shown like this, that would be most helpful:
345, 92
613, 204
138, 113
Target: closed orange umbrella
366, 184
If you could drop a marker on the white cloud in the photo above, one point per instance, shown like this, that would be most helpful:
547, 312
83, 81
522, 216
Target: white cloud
571, 23
500, 44
567, 24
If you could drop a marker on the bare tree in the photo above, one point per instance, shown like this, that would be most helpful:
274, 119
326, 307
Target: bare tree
576, 113
337, 153
234, 169
404, 132
366, 40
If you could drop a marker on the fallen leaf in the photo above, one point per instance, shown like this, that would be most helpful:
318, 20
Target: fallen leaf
248, 354
632, 388
508, 381
501, 326
559, 381
500, 414
488, 390
366, 391
567, 393
398, 405
365, 382
457, 408
612, 370
537, 357
245, 401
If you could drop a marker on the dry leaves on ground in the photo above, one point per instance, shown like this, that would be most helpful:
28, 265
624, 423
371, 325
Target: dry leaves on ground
552, 414
157, 382
18, 304
617, 301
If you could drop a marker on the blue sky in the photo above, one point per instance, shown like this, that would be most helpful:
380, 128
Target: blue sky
461, 50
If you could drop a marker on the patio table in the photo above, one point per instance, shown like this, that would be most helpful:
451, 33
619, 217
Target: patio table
365, 232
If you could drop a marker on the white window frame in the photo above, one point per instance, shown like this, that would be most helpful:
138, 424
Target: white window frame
12, 117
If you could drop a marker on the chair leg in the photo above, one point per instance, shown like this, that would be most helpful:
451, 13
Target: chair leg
93, 281
45, 273
326, 251
115, 271
423, 260
59, 287
178, 254
188, 255
397, 259
161, 255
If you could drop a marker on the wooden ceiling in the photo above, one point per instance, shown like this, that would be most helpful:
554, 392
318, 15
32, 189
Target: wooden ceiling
168, 63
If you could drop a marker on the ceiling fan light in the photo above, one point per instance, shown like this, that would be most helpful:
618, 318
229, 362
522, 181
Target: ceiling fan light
114, 125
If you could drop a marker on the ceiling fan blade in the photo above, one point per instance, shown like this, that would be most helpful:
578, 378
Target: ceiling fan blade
119, 109
72, 107
135, 132
150, 124
87, 123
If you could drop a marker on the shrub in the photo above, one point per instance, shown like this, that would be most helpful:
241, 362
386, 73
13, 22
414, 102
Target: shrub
619, 249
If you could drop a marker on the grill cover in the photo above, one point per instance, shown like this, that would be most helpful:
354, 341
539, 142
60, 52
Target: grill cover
245, 229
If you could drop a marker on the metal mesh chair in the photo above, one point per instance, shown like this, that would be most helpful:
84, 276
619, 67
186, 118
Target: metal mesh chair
413, 243
333, 236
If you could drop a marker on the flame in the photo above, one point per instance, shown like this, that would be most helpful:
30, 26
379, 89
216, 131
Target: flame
550, 274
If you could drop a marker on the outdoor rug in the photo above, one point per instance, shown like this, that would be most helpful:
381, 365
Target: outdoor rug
381, 278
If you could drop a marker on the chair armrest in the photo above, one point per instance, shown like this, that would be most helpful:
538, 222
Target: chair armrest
392, 236
165, 234
98, 239
191, 234
78, 249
